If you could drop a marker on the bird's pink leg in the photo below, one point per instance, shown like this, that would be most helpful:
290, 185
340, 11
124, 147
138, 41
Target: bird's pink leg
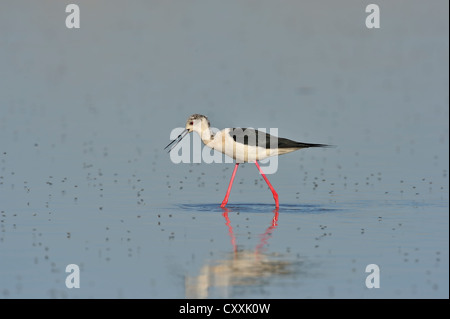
225, 200
275, 195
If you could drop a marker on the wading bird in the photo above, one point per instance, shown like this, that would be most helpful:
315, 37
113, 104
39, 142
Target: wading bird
242, 144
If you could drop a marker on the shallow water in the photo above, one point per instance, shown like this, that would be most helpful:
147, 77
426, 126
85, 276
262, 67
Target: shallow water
84, 179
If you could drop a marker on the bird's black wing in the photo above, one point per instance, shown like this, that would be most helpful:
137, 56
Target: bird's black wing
252, 137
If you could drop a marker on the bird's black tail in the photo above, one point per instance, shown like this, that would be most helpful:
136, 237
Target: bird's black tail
305, 145
286, 143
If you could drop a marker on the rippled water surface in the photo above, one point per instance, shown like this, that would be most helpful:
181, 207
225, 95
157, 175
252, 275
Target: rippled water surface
84, 180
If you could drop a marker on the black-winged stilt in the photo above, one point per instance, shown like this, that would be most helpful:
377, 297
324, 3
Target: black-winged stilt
242, 144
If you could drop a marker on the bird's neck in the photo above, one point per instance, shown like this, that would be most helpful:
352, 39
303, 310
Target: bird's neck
206, 135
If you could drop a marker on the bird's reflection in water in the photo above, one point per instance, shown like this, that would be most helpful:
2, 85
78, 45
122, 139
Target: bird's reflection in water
239, 268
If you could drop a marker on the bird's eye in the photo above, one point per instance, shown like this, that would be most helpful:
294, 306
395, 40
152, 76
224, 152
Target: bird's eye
191, 123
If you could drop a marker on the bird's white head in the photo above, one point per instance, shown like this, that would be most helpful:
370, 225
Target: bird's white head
197, 123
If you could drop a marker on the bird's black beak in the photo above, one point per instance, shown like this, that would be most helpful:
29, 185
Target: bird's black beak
174, 143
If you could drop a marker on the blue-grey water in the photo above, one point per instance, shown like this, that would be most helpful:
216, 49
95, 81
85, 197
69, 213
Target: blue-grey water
85, 114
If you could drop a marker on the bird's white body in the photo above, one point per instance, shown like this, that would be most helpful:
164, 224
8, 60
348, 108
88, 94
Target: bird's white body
223, 142
241, 144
